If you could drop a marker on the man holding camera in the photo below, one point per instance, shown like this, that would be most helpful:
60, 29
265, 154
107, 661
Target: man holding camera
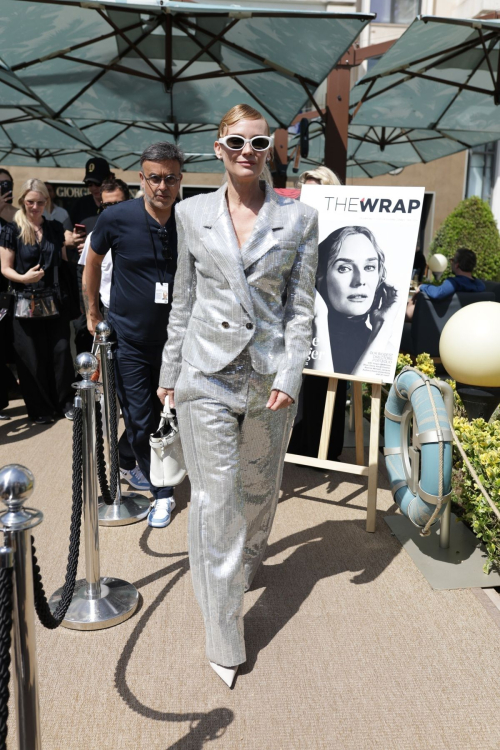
143, 241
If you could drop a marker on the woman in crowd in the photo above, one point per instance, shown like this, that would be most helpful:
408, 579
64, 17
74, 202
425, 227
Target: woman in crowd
318, 176
31, 250
355, 307
238, 337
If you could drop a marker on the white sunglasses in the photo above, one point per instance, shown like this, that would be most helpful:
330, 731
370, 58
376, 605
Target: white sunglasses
237, 142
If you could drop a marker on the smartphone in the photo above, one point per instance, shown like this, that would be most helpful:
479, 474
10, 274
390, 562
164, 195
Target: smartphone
6, 186
80, 228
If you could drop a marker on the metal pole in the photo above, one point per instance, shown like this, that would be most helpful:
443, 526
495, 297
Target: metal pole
16, 486
445, 523
90, 507
127, 507
98, 602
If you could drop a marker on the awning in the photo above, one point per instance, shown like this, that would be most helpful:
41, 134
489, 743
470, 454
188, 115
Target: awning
169, 62
442, 75
434, 93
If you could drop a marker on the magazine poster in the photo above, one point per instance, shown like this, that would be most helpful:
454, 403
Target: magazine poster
367, 242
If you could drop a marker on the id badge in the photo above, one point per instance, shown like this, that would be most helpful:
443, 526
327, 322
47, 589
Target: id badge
161, 293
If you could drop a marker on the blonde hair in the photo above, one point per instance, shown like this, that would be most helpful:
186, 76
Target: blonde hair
323, 174
244, 112
27, 232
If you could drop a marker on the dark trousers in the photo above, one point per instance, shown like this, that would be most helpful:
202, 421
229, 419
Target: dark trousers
306, 434
7, 379
137, 373
44, 364
126, 453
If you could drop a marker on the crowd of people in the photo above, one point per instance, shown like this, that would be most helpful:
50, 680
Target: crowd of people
43, 253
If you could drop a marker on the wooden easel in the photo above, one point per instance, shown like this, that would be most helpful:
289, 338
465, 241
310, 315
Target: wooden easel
370, 471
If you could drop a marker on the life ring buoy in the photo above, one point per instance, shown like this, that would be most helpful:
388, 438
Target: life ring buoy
416, 466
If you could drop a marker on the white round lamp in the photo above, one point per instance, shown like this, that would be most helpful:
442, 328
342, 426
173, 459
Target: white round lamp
469, 348
437, 263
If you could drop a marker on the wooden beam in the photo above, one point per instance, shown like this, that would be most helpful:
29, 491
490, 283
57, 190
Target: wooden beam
280, 157
337, 121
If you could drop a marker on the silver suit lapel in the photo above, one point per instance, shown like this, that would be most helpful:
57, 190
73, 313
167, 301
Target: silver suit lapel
263, 237
220, 241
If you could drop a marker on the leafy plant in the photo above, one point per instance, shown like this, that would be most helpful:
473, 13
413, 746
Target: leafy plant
404, 360
473, 226
481, 442
425, 364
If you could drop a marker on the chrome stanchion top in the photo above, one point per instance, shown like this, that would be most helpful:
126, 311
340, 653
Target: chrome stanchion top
86, 365
16, 486
103, 331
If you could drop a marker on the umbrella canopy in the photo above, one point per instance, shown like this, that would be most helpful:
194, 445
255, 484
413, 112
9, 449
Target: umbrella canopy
61, 144
435, 92
366, 157
170, 62
442, 75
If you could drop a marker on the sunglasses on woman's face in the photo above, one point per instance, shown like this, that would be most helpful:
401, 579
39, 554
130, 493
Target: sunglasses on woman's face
237, 142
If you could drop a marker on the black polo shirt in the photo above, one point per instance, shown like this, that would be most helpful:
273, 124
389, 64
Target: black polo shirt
129, 231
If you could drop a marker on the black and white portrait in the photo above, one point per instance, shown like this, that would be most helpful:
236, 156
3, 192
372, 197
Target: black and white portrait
362, 282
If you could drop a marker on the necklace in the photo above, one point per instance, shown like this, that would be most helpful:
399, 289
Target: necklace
38, 231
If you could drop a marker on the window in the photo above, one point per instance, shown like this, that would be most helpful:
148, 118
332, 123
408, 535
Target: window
395, 11
481, 171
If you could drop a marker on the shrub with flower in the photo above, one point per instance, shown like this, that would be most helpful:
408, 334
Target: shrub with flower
481, 442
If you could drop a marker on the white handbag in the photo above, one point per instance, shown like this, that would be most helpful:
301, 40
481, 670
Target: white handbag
167, 459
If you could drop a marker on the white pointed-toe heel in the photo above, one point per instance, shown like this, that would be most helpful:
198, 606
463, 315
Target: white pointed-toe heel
227, 674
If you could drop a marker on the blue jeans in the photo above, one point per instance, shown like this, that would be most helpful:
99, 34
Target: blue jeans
137, 373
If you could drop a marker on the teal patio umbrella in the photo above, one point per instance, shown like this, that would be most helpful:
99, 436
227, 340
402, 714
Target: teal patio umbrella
435, 92
437, 89
170, 62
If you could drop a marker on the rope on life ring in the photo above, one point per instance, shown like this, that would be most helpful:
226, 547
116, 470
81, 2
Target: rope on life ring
419, 470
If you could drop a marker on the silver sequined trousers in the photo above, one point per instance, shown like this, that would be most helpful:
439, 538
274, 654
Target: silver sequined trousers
234, 450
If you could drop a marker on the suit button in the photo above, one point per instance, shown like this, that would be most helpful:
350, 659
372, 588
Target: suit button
249, 326
225, 324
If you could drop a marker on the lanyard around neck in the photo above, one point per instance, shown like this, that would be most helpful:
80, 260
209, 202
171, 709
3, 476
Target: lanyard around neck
146, 217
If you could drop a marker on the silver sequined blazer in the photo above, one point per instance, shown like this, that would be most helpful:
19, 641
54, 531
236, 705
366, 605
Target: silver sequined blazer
227, 298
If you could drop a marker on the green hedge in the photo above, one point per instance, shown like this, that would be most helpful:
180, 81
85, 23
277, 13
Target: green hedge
471, 225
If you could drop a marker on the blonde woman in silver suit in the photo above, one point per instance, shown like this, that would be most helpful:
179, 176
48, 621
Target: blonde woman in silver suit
238, 336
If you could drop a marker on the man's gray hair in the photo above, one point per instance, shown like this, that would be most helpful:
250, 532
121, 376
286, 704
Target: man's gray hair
162, 151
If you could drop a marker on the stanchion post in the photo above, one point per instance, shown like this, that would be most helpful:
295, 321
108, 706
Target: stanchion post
127, 507
98, 602
445, 523
16, 486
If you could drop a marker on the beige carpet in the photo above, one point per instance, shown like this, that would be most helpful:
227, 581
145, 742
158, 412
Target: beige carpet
348, 646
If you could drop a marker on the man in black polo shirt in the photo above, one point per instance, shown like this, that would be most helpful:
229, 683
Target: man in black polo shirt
142, 237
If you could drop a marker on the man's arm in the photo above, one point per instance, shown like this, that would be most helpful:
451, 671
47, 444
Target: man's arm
91, 283
446, 289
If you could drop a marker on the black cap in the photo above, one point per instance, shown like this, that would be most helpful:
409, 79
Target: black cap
96, 170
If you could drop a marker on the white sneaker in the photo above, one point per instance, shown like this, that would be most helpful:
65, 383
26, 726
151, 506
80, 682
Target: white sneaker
135, 478
161, 513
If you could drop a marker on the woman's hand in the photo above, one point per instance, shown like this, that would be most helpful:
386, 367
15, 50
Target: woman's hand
162, 394
33, 275
279, 400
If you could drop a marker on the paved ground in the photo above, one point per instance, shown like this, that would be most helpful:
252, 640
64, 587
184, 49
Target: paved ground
349, 648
